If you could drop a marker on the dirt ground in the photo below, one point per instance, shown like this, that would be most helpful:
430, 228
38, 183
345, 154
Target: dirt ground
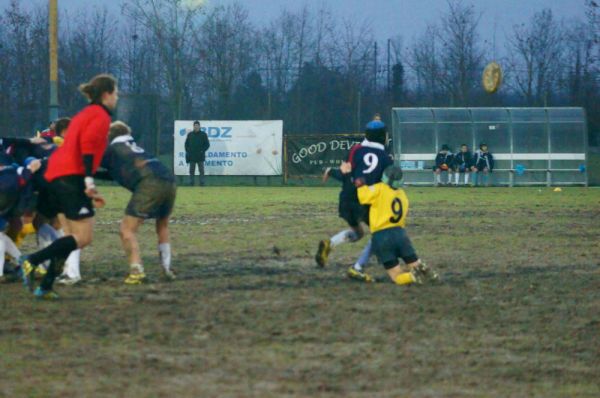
517, 314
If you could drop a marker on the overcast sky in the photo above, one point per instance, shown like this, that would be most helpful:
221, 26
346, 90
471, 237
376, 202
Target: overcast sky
389, 18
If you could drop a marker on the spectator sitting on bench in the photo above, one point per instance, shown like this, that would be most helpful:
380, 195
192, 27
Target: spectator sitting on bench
483, 162
443, 161
463, 161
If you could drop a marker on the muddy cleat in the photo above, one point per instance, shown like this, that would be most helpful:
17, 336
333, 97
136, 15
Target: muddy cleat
359, 276
425, 273
67, 281
49, 295
40, 272
27, 273
323, 252
135, 279
169, 275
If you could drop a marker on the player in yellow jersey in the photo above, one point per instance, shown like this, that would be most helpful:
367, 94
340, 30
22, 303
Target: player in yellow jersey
387, 219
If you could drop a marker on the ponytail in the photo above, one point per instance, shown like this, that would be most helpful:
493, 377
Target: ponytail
95, 88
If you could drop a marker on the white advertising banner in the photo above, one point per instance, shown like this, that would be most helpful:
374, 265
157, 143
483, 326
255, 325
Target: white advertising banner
237, 148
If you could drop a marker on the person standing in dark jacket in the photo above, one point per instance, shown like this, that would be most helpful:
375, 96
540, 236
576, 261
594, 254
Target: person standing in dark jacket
463, 161
196, 145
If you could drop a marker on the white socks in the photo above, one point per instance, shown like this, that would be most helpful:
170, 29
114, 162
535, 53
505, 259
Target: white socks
467, 178
164, 250
7, 246
345, 236
450, 178
438, 178
72, 265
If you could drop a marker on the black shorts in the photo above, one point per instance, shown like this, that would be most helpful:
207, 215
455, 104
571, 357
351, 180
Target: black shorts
391, 244
152, 198
353, 213
66, 195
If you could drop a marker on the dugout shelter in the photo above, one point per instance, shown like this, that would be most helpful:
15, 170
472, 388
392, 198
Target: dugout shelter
531, 146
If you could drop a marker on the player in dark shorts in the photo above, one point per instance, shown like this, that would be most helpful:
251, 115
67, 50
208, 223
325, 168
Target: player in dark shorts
368, 160
71, 187
153, 196
15, 183
462, 164
389, 208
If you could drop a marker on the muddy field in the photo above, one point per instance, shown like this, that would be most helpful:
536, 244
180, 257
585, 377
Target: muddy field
517, 314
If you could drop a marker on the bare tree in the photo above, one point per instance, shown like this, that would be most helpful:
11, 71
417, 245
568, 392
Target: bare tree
460, 55
227, 42
87, 48
425, 65
171, 23
535, 54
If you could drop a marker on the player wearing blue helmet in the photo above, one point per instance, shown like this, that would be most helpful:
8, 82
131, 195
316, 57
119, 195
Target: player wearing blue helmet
368, 160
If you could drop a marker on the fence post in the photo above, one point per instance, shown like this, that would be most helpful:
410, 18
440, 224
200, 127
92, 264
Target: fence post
285, 160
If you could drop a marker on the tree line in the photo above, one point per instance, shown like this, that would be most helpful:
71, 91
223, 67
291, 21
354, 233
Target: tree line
177, 59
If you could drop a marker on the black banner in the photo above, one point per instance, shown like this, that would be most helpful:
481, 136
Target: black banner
310, 155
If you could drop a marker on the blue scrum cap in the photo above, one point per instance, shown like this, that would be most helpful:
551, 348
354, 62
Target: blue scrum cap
375, 125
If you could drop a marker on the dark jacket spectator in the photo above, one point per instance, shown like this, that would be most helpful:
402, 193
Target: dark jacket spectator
463, 160
444, 159
483, 160
196, 145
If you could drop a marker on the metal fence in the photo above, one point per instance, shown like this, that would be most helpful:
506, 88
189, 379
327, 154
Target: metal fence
531, 146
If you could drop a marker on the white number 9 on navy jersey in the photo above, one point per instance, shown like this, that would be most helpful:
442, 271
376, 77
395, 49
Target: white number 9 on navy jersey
371, 161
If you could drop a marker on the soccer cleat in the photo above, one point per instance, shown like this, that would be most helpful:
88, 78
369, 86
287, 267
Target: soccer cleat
41, 294
67, 281
40, 272
323, 252
135, 278
425, 273
359, 276
169, 274
26, 271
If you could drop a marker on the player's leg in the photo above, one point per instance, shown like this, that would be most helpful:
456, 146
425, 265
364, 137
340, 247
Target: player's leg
57, 252
7, 246
449, 171
165, 208
487, 177
406, 251
71, 273
353, 213
467, 174
475, 175
164, 247
68, 194
357, 270
438, 176
129, 228
192, 172
201, 173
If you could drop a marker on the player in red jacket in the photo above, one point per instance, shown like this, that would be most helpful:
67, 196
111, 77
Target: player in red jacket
71, 183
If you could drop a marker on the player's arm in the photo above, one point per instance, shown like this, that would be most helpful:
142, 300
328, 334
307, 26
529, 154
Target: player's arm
368, 194
333, 173
92, 139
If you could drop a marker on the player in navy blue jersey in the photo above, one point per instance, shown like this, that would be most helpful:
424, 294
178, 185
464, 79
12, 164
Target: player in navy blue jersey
368, 159
15, 188
153, 196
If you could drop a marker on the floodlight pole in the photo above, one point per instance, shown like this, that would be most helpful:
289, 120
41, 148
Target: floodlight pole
53, 41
